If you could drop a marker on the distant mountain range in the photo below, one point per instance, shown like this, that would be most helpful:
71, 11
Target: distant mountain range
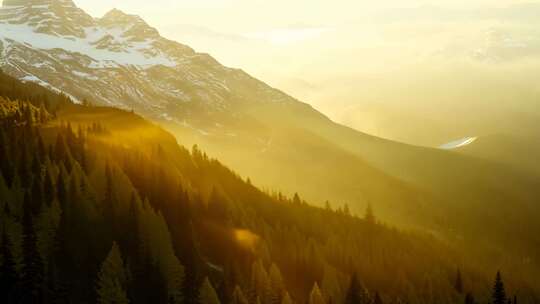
261, 132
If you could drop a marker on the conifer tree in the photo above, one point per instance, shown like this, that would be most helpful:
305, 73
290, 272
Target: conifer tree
42, 113
61, 190
330, 286
327, 206
192, 260
238, 296
24, 166
110, 202
277, 286
207, 293
8, 273
377, 299
61, 261
469, 298
49, 189
175, 276
33, 270
296, 199
37, 195
260, 282
41, 153
217, 206
355, 292
286, 299
370, 215
112, 279
499, 294
346, 209
60, 150
315, 297
458, 285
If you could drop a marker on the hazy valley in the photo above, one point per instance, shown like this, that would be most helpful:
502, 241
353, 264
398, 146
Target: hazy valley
275, 202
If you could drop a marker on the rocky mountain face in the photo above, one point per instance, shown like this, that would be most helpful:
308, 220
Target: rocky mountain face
119, 60
116, 60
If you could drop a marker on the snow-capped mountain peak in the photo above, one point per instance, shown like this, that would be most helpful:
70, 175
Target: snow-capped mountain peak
52, 17
134, 27
117, 18
37, 2
120, 60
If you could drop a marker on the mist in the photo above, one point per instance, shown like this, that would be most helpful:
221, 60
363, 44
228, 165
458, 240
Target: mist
422, 75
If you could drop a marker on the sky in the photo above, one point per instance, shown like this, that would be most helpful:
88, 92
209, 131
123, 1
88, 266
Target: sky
352, 57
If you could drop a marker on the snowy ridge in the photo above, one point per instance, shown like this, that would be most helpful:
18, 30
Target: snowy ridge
131, 54
119, 60
60, 24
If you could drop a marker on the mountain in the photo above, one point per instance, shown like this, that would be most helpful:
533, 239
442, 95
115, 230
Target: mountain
59, 45
281, 143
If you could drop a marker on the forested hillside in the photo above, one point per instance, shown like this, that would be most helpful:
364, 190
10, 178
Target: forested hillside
99, 206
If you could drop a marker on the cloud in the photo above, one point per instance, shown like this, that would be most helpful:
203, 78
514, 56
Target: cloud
288, 35
182, 30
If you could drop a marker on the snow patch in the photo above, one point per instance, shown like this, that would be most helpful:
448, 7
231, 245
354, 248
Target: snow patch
131, 54
458, 143
34, 79
84, 75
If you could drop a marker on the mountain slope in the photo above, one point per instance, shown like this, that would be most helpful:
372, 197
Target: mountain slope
263, 133
517, 151
174, 218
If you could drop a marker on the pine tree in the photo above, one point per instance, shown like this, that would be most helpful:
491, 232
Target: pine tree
49, 188
193, 261
458, 285
33, 270
327, 206
238, 296
277, 286
53, 294
110, 202
112, 279
60, 148
175, 277
24, 166
37, 194
315, 297
296, 199
370, 216
61, 190
260, 283
355, 294
499, 294
61, 258
8, 273
330, 286
286, 299
469, 299
43, 113
346, 209
377, 299
217, 206
207, 293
